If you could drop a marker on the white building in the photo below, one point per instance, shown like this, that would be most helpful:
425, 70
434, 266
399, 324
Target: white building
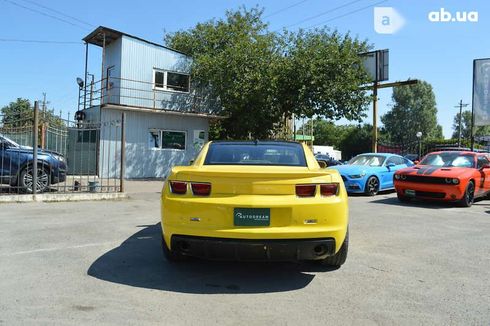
166, 123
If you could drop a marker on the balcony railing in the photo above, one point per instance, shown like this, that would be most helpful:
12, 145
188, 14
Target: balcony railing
134, 93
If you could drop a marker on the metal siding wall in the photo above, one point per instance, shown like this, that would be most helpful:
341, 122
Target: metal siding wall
141, 161
113, 56
137, 63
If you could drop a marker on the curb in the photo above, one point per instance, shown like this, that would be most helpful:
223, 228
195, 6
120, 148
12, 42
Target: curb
61, 197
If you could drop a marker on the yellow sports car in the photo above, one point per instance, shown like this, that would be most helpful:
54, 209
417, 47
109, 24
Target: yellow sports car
255, 200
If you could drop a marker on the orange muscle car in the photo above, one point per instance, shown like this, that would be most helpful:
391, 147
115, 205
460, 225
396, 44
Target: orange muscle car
448, 176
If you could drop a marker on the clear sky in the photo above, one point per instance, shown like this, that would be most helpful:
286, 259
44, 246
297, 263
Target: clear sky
438, 52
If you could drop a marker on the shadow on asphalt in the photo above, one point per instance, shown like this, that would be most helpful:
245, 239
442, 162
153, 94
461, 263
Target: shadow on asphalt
139, 262
421, 203
382, 192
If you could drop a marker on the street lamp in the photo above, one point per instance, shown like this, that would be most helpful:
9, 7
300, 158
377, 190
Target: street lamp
419, 136
79, 114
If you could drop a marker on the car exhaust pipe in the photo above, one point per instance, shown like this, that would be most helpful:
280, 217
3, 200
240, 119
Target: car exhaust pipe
320, 250
183, 246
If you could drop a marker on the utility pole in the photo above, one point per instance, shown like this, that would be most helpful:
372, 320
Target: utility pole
375, 118
45, 106
460, 106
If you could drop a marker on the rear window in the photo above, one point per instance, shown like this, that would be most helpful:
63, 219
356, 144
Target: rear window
290, 154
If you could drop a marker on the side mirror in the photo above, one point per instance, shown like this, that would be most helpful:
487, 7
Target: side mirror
322, 164
191, 162
486, 166
390, 165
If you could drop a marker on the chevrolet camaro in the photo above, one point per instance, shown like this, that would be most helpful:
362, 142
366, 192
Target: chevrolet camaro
447, 176
255, 200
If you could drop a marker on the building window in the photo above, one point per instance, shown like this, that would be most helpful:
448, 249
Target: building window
167, 139
154, 139
159, 79
171, 81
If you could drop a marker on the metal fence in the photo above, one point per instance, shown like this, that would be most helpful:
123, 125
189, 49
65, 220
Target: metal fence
419, 149
129, 92
71, 157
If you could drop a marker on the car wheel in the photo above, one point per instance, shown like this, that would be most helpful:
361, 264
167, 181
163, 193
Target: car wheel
26, 179
469, 195
403, 199
340, 257
170, 256
372, 186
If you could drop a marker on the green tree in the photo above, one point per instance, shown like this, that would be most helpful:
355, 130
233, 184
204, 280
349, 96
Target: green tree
319, 73
466, 127
260, 78
414, 109
21, 114
357, 140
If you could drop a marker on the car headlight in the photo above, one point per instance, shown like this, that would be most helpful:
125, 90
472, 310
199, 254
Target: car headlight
454, 181
357, 176
397, 176
60, 158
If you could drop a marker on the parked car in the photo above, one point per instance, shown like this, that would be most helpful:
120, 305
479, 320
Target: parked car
412, 157
255, 201
16, 166
448, 176
329, 161
371, 172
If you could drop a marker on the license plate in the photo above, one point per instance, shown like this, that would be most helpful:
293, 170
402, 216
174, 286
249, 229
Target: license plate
252, 216
410, 193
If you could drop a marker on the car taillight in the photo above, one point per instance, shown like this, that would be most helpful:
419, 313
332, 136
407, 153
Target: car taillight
201, 189
329, 189
178, 187
305, 190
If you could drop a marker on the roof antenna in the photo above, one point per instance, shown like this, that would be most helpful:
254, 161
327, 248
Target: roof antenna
256, 141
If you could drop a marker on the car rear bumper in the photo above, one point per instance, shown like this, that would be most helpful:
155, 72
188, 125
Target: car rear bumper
253, 250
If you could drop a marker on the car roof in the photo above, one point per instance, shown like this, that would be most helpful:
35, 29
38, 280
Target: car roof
255, 142
381, 154
454, 152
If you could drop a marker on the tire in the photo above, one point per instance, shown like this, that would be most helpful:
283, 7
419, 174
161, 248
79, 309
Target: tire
340, 257
403, 199
170, 256
469, 195
372, 186
25, 179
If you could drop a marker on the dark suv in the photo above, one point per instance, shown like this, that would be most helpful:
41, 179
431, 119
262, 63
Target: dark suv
16, 166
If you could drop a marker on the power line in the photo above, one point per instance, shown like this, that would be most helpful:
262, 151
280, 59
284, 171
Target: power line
44, 14
37, 41
348, 13
323, 13
58, 12
286, 8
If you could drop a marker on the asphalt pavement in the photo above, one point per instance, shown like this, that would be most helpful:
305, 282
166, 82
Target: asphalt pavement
87, 263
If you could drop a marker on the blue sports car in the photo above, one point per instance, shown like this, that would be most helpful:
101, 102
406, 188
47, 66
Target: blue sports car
371, 172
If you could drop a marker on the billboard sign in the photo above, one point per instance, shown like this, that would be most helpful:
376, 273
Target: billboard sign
376, 64
481, 92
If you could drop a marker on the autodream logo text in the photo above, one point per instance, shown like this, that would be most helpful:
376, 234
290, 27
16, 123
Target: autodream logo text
445, 16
